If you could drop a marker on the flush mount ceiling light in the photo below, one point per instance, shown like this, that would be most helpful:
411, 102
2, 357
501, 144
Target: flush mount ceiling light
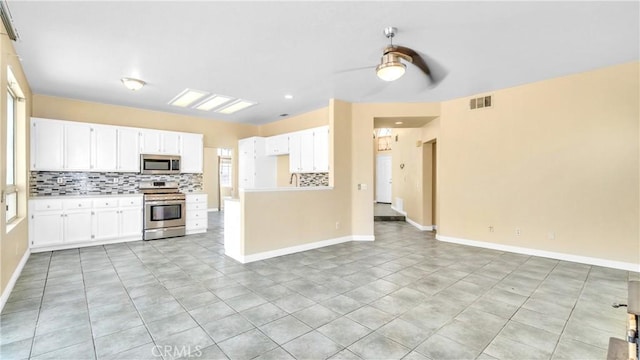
187, 97
236, 106
213, 102
288, 96
132, 84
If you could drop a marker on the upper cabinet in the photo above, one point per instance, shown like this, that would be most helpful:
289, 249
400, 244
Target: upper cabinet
159, 142
255, 169
192, 153
277, 145
58, 145
309, 150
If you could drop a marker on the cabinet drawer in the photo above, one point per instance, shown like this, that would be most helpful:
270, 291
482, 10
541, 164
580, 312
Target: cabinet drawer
43, 205
132, 201
202, 198
196, 206
105, 203
193, 224
197, 214
77, 204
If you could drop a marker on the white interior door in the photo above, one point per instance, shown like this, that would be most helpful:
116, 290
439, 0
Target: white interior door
383, 179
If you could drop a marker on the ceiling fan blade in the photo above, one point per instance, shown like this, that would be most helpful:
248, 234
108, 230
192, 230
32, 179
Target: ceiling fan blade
436, 73
355, 69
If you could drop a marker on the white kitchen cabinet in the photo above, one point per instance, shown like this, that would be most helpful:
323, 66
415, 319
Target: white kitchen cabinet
128, 150
192, 153
118, 218
277, 145
196, 215
255, 168
309, 150
47, 144
104, 148
159, 142
66, 223
77, 148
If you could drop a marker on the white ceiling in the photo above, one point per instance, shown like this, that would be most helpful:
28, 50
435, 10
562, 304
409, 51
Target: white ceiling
262, 50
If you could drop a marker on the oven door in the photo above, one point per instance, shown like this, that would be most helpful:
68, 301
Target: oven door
164, 213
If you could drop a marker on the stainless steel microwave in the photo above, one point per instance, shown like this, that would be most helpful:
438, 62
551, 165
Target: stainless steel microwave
159, 164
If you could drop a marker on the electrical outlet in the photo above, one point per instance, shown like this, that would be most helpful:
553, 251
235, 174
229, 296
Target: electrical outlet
490, 228
60, 180
518, 232
337, 225
115, 180
551, 235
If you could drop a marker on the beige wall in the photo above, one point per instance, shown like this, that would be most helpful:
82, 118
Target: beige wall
14, 244
407, 179
308, 120
557, 158
280, 219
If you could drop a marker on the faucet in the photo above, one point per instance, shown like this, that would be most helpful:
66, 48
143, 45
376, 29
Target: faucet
291, 179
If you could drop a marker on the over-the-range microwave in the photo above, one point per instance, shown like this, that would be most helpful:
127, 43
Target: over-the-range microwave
159, 164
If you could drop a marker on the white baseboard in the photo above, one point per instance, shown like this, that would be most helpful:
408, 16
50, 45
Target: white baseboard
420, 227
543, 253
298, 248
213, 210
398, 211
12, 282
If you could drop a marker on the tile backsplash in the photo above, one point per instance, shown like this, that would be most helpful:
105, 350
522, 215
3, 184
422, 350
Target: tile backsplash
314, 179
45, 183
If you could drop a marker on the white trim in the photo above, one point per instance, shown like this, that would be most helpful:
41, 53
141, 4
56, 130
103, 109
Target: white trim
298, 248
213, 210
543, 253
398, 211
420, 227
12, 282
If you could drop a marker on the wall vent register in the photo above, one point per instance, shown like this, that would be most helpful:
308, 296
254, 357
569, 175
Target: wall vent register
480, 102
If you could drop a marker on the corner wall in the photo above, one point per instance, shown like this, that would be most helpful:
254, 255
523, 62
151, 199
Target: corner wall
557, 159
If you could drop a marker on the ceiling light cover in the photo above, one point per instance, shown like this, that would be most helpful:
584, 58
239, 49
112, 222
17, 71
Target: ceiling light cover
390, 68
288, 96
187, 97
213, 102
132, 84
236, 106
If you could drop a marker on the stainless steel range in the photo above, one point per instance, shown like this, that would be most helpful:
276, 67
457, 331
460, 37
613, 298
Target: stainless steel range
164, 209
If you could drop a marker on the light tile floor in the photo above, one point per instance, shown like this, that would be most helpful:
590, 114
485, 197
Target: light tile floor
405, 295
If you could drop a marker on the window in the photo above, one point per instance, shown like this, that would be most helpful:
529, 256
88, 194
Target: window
225, 167
384, 139
11, 190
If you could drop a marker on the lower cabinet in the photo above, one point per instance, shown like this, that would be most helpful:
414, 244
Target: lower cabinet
61, 223
196, 213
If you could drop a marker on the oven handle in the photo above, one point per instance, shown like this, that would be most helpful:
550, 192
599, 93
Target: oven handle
165, 202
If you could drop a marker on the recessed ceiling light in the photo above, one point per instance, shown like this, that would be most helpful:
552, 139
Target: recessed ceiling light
187, 97
213, 102
288, 96
132, 84
236, 106
399, 123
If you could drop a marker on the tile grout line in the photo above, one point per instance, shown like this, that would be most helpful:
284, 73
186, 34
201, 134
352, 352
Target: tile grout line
46, 279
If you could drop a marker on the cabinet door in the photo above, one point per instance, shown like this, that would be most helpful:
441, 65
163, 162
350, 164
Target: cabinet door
47, 228
47, 143
321, 149
191, 153
294, 152
306, 151
104, 148
77, 147
77, 227
105, 224
277, 145
170, 143
128, 150
131, 222
151, 142
246, 164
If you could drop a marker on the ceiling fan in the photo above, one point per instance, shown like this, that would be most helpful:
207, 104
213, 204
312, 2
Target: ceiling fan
391, 67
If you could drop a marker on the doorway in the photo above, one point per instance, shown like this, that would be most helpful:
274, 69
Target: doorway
383, 179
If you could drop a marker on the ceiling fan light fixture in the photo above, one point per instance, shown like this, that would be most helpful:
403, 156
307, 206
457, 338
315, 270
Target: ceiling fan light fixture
132, 84
391, 68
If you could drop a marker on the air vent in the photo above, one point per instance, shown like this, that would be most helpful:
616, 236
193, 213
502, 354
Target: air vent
480, 102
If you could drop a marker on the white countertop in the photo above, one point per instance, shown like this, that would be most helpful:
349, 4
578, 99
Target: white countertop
83, 196
290, 188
